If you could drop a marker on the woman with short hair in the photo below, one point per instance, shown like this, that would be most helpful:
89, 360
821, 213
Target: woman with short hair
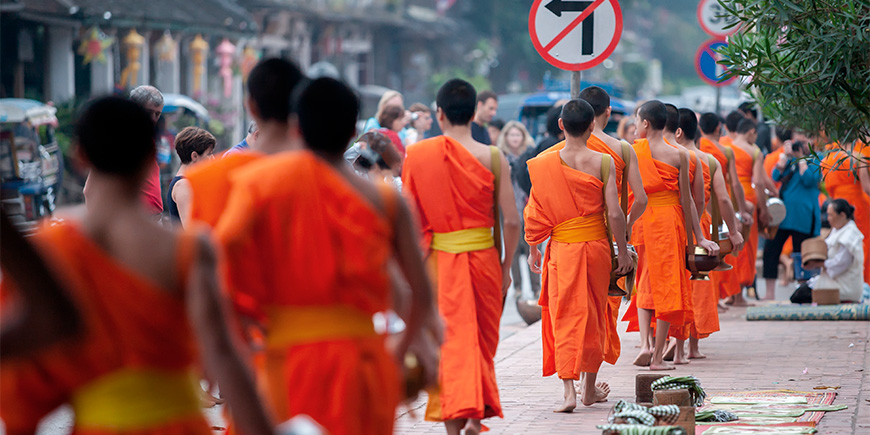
844, 267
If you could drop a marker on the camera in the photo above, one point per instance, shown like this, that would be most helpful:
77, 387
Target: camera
797, 146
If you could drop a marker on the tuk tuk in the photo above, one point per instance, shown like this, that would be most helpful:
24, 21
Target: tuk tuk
30, 161
533, 109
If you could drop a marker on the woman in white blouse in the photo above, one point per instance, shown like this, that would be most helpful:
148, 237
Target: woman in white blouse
844, 268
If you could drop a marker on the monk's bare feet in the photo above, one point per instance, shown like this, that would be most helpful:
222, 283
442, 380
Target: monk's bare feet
680, 360
602, 390
739, 301
696, 354
473, 427
643, 358
660, 367
721, 307
568, 405
670, 349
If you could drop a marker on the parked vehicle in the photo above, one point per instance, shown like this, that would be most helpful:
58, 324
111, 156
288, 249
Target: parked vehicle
533, 110
31, 164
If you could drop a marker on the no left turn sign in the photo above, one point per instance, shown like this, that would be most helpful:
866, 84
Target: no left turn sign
714, 18
575, 35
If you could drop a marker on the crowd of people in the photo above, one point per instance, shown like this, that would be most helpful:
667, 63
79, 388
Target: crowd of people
285, 250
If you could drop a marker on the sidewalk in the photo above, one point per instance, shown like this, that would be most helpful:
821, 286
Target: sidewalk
742, 356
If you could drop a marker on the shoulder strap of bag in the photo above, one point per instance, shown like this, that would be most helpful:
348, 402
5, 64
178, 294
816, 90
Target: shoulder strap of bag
605, 176
623, 194
686, 203
714, 202
495, 167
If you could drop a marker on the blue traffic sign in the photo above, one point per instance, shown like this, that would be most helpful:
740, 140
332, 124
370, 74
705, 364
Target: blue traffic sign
706, 63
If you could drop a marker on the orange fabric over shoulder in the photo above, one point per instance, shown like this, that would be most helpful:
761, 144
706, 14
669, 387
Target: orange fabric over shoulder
133, 330
210, 183
663, 284
309, 258
567, 206
450, 190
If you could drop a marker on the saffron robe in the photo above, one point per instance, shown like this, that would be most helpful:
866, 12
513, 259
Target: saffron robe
130, 369
841, 182
568, 205
309, 257
727, 282
450, 190
663, 283
745, 269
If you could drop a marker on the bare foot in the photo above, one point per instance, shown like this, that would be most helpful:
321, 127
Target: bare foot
473, 427
568, 406
742, 303
602, 390
663, 366
695, 354
721, 307
669, 351
681, 360
207, 400
643, 358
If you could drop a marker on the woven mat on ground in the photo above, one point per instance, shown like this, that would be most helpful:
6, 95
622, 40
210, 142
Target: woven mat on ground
737, 429
768, 409
809, 312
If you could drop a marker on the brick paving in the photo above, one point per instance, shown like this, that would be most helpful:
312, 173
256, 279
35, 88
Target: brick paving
743, 356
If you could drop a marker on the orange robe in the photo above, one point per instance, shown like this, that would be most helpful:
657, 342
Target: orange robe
727, 282
210, 183
613, 346
568, 205
310, 259
841, 182
663, 283
130, 370
450, 190
745, 269
705, 294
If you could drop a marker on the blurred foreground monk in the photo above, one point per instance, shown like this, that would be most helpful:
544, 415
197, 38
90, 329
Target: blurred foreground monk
750, 173
705, 294
567, 205
449, 182
848, 178
627, 175
663, 285
309, 260
149, 302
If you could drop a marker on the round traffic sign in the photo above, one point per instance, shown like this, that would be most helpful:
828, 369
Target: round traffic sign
714, 18
706, 63
575, 35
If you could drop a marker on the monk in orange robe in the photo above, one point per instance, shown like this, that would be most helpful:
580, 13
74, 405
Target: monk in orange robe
623, 157
711, 128
448, 181
129, 369
845, 178
663, 285
750, 172
567, 205
325, 271
705, 295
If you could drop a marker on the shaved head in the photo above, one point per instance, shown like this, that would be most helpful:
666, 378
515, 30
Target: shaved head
673, 122
597, 98
655, 113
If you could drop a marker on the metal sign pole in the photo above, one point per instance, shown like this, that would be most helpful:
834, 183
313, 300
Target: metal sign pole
575, 84
718, 100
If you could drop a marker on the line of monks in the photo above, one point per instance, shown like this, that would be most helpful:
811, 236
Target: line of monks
294, 252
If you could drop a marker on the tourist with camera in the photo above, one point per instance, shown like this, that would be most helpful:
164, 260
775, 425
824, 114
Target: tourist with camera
799, 190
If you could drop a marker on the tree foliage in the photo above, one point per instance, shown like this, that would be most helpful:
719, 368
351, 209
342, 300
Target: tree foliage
807, 62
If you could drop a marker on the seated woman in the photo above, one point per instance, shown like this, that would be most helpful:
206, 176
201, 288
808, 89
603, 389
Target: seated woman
844, 268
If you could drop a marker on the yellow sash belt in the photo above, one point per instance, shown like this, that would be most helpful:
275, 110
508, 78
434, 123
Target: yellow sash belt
580, 229
136, 399
457, 242
664, 198
290, 326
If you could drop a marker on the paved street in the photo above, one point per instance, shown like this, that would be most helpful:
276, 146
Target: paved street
743, 356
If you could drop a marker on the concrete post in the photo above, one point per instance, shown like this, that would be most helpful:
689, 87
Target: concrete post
103, 75
168, 78
145, 60
61, 81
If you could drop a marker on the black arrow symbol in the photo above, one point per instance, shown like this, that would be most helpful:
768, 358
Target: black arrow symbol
559, 6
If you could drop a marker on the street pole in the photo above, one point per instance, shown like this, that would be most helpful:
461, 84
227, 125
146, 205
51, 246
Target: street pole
575, 85
718, 100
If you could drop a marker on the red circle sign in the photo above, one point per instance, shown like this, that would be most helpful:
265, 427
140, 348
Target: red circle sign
706, 63
575, 35
713, 19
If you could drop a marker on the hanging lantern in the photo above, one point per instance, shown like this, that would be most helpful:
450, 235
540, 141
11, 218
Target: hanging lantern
133, 42
249, 60
166, 48
198, 49
94, 46
225, 51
